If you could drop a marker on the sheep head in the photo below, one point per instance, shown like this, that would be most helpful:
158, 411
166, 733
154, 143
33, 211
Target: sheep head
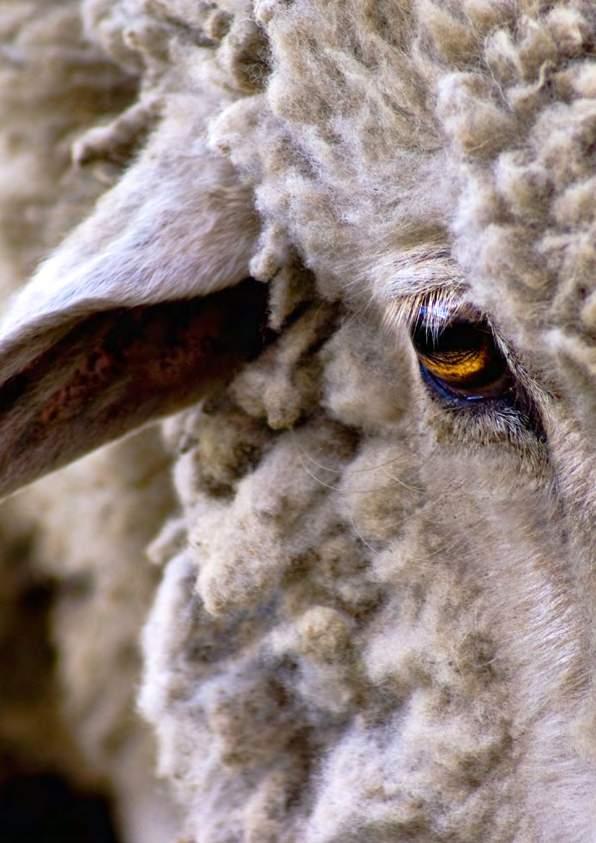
380, 626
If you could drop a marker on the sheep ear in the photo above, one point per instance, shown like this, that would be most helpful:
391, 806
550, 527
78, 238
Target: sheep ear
130, 320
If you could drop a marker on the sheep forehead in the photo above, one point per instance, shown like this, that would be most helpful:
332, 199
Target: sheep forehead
385, 140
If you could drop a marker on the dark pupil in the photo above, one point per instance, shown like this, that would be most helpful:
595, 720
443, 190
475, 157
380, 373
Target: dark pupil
457, 336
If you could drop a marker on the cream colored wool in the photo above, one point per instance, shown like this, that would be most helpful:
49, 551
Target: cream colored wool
52, 85
98, 580
376, 615
70, 672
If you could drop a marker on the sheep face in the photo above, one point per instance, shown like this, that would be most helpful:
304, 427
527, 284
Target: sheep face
375, 621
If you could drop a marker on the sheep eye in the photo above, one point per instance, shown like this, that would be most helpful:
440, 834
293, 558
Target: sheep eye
459, 356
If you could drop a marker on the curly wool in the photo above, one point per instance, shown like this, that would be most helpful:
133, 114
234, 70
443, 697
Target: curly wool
375, 621
355, 662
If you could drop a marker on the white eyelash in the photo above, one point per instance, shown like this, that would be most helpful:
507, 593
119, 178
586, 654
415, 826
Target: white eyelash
441, 305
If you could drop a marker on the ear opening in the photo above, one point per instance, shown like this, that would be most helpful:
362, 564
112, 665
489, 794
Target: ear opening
118, 369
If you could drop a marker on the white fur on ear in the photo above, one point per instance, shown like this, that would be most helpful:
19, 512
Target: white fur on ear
178, 224
112, 331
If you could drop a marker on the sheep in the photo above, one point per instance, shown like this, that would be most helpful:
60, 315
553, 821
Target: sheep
375, 617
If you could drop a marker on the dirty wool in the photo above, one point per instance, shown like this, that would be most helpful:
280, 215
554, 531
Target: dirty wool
375, 617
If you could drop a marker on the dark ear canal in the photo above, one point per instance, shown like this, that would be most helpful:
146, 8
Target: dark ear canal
118, 369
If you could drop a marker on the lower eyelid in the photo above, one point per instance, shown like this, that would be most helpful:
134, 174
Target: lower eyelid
515, 405
443, 390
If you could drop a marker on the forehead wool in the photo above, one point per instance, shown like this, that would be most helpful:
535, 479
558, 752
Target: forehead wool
349, 150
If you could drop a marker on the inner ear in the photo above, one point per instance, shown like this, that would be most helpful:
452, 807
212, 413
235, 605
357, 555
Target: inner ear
118, 369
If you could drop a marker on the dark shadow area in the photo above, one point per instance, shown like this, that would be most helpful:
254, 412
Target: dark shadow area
39, 802
45, 808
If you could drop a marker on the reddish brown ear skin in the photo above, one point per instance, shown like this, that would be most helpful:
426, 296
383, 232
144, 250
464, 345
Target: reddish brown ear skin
119, 369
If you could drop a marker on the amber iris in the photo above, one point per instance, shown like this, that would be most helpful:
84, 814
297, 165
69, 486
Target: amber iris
462, 356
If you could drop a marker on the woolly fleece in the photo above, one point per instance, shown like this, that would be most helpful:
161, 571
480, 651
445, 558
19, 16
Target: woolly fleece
376, 615
382, 627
